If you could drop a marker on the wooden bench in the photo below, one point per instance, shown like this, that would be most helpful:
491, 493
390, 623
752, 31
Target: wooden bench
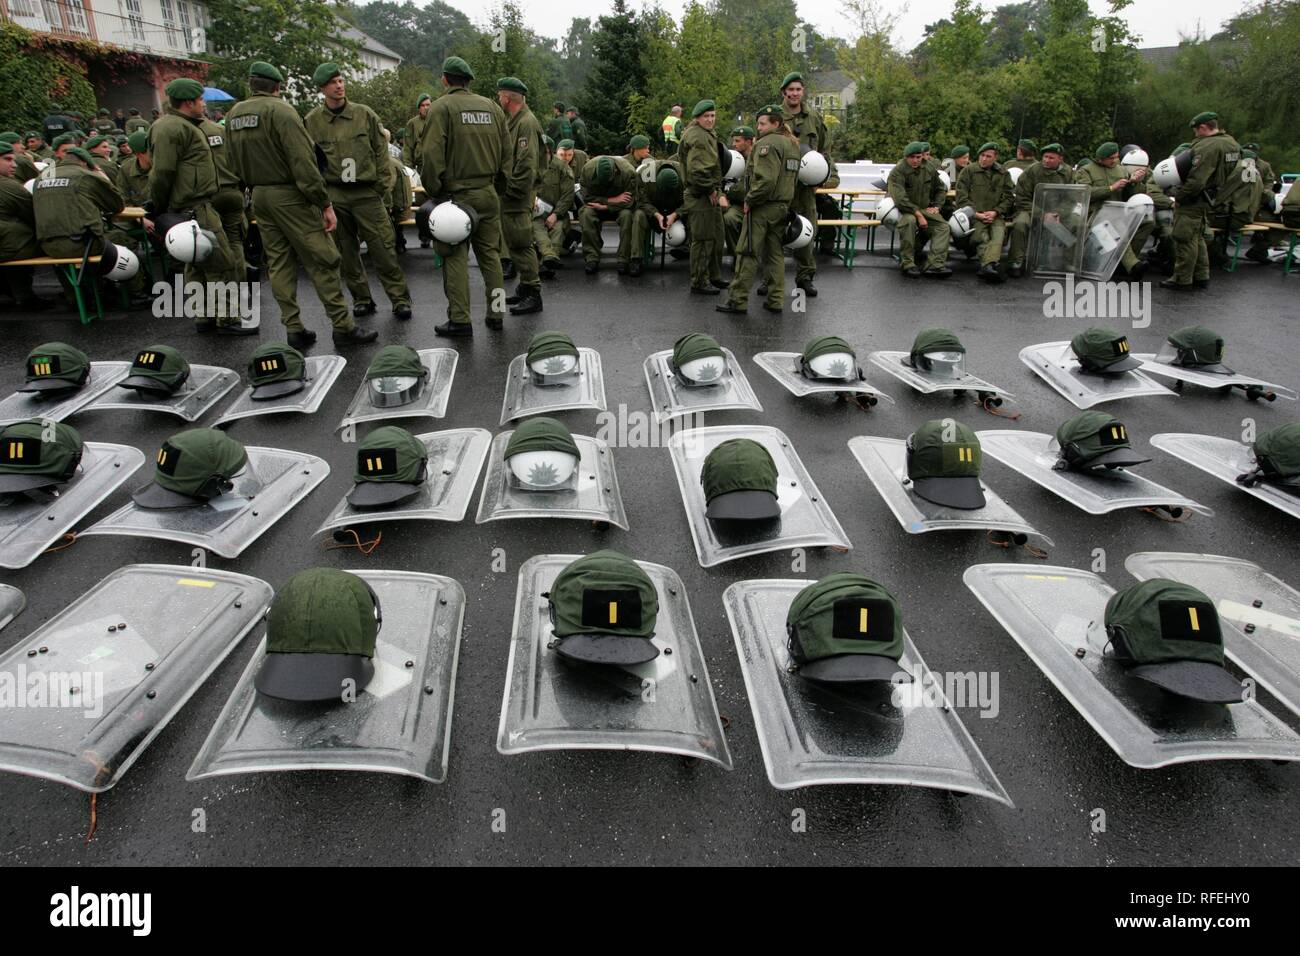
1293, 231
1235, 239
71, 270
846, 237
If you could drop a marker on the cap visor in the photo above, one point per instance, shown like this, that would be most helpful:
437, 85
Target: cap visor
312, 676
376, 494
142, 384
1126, 364
852, 669
49, 385
262, 393
617, 649
158, 498
1116, 456
964, 493
1199, 680
743, 506
10, 484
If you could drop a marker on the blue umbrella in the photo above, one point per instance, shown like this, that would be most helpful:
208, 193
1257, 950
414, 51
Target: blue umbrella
213, 95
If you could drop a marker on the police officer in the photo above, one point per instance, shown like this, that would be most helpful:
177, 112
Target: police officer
772, 171
357, 175
558, 127
104, 122
415, 130
917, 191
135, 122
133, 174
958, 159
1026, 155
705, 202
555, 188
578, 127
24, 167
742, 141
671, 128
100, 149
398, 199
810, 129
17, 235
1269, 184
271, 152
576, 159
638, 149
229, 200
658, 206
464, 149
1237, 202
1109, 181
985, 187
1215, 155
517, 188
1051, 169
36, 146
609, 189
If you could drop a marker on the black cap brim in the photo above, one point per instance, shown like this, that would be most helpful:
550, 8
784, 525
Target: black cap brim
616, 649
141, 383
743, 506
965, 493
1115, 457
1126, 364
312, 677
11, 484
1198, 680
852, 669
376, 494
157, 498
50, 385
262, 393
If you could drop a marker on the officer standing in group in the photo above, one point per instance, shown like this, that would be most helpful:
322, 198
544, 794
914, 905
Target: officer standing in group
463, 150
17, 235
229, 200
1214, 157
357, 175
271, 152
555, 188
917, 191
705, 202
772, 171
104, 122
558, 127
1026, 155
135, 122
810, 129
986, 187
517, 187
672, 130
1269, 184
133, 174
1050, 170
578, 127
415, 130
1109, 181
742, 141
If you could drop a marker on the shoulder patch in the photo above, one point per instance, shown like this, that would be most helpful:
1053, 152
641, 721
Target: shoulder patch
215, 140
764, 150
523, 142
247, 121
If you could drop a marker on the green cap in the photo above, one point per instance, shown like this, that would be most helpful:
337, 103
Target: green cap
1248, 153
138, 141
192, 466
748, 132
6, 149
64, 139
959, 151
694, 346
1105, 150
1168, 633
103, 111
564, 144
184, 88
1205, 117
933, 340
1054, 148
604, 172
790, 78
9, 137
396, 360
266, 71
423, 97
771, 109
1278, 454
320, 637
603, 610
324, 73
391, 464
845, 628
82, 155
455, 66
943, 464
989, 145
1102, 350
94, 141
914, 148
157, 368
702, 107
1027, 144
1095, 439
739, 481
828, 345
512, 83
1199, 347
55, 367
639, 141
37, 454
276, 369
541, 434
550, 345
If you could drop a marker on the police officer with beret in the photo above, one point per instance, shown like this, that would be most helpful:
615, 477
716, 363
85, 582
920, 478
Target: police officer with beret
917, 191
986, 187
517, 187
810, 129
1214, 157
1050, 170
705, 202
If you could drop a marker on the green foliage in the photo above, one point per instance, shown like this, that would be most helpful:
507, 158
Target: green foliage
423, 36
393, 93
509, 48
618, 71
35, 78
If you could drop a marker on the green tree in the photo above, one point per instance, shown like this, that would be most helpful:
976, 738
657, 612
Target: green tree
393, 93
617, 72
509, 48
766, 43
423, 36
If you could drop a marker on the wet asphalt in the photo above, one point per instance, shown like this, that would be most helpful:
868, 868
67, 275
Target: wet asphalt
622, 807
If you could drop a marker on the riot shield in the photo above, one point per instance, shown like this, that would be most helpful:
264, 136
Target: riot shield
1253, 387
1056, 364
672, 399
529, 394
928, 382
1057, 230
12, 602
1109, 233
320, 374
590, 494
785, 368
206, 386
429, 402
1225, 459
21, 406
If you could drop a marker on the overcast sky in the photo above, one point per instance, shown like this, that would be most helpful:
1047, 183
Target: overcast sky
1157, 22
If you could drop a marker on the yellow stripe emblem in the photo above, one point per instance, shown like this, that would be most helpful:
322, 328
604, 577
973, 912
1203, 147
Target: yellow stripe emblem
862, 620
1196, 622
613, 612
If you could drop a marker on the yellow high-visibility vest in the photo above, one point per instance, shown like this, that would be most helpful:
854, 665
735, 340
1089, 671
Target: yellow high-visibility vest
670, 128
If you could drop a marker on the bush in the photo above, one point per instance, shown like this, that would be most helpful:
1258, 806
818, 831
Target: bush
35, 79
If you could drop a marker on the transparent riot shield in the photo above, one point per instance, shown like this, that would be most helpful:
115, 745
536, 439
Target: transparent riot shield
429, 402
1262, 611
671, 399
885, 462
206, 385
31, 523
1057, 229
665, 705
785, 368
274, 481
21, 406
1109, 233
806, 519
530, 394
399, 723
1102, 491
1056, 365
928, 382
455, 460
1253, 387
12, 602
104, 676
1225, 459
899, 733
590, 494
320, 374
1056, 615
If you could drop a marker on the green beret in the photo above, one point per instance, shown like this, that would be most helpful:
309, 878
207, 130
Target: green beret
82, 155
1205, 117
702, 107
513, 84
266, 71
639, 141
914, 148
564, 144
791, 78
455, 66
33, 134
604, 171
1254, 146
138, 141
324, 73
925, 147
746, 131
423, 97
558, 105
1249, 153
183, 88
1028, 144
9, 137
103, 111
63, 139
959, 151
95, 141
770, 110
988, 146
6, 149
1054, 148
1106, 149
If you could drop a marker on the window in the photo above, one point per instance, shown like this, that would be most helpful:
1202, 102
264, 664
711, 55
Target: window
169, 22
75, 13
136, 18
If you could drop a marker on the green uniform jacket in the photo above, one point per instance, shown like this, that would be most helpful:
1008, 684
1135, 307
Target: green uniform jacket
108, 166
24, 169
1242, 190
73, 201
555, 188
579, 133
1266, 174
105, 126
1214, 158
524, 159
701, 167
985, 189
183, 172
269, 146
135, 123
578, 161
133, 182
623, 181
558, 128
399, 195
1159, 196
1033, 176
772, 170
411, 145
648, 199
915, 190
465, 143
810, 129
353, 133
1019, 164
216, 137
1098, 179
17, 221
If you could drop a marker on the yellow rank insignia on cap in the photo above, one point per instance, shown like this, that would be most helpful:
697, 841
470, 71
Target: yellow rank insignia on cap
604, 607
153, 361
267, 365
26, 451
377, 462
43, 365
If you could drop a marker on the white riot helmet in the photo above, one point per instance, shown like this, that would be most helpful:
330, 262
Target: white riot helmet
451, 223
813, 168
30, 185
798, 232
676, 234
541, 454
1172, 172
189, 242
960, 223
1015, 172
887, 212
412, 176
945, 179
1145, 203
1135, 157
737, 168
118, 263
